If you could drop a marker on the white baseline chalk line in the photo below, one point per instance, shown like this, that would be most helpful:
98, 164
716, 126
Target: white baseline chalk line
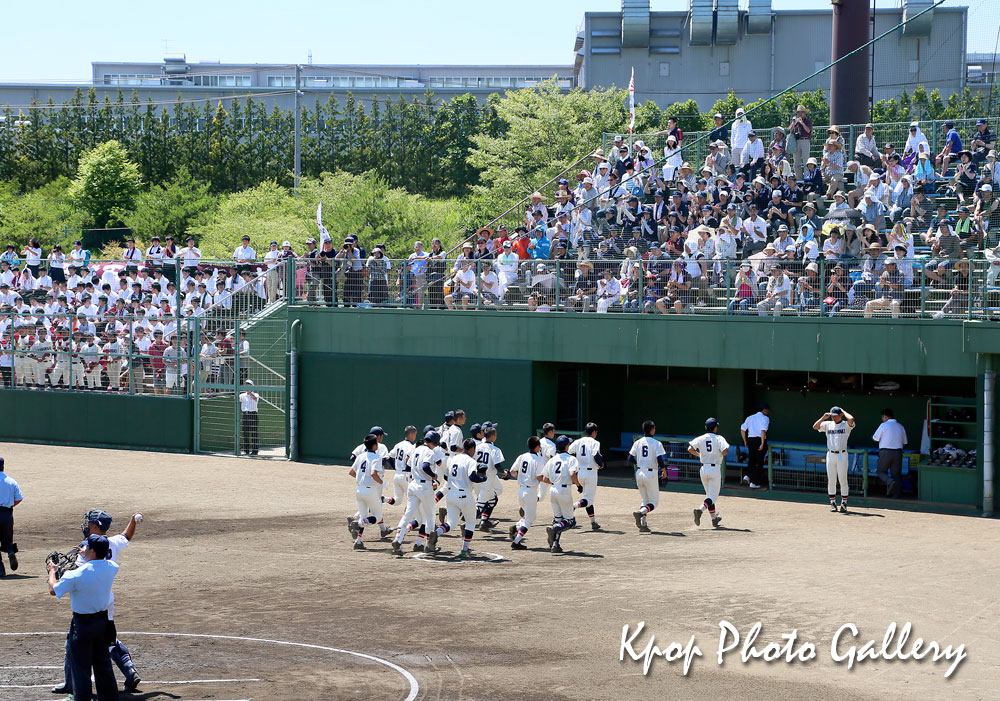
411, 680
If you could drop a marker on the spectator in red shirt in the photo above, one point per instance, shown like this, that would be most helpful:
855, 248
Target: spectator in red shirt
521, 241
156, 356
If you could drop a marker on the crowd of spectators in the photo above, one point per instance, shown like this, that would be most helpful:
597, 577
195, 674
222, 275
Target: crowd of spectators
783, 219
72, 322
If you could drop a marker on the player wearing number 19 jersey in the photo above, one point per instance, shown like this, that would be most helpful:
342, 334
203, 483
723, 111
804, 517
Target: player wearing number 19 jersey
400, 455
647, 454
711, 449
587, 451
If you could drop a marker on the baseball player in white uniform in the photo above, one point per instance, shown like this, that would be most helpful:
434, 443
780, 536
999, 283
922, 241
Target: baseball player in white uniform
548, 451
837, 424
529, 468
426, 463
399, 455
488, 454
711, 449
560, 472
383, 453
368, 473
451, 444
587, 451
647, 454
463, 472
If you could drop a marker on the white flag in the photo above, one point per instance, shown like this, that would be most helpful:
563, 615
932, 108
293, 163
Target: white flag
323, 233
631, 101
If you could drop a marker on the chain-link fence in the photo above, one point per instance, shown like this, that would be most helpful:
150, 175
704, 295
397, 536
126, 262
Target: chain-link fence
876, 284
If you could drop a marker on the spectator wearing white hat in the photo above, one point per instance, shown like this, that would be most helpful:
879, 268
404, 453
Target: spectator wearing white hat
809, 286
916, 143
986, 213
271, 259
778, 294
799, 139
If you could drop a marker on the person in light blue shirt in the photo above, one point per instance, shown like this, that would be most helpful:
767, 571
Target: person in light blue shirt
89, 589
10, 496
539, 246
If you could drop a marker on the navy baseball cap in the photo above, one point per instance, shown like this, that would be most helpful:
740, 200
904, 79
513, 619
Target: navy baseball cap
99, 545
711, 424
980, 122
836, 410
449, 416
490, 424
706, 208
376, 431
474, 429
764, 405
427, 429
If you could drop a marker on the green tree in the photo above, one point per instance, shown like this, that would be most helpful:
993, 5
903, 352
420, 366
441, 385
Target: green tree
106, 184
171, 208
46, 213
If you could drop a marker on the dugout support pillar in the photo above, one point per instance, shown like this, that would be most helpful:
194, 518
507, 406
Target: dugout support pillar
849, 80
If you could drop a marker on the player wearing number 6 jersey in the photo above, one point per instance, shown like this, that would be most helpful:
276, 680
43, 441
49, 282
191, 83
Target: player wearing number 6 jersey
647, 454
367, 471
589, 460
837, 424
711, 449
463, 472
399, 455
560, 473
529, 468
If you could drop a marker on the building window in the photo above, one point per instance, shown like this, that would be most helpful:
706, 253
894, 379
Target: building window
221, 81
664, 70
130, 79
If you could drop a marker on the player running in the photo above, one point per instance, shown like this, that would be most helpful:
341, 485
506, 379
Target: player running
647, 454
368, 472
560, 473
425, 462
463, 471
529, 468
837, 424
711, 449
488, 454
587, 451
399, 455
383, 453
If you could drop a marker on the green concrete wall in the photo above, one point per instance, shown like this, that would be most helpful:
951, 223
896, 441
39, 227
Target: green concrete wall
901, 347
97, 419
342, 396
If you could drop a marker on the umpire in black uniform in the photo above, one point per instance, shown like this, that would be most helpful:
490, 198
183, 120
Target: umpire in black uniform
89, 589
10, 496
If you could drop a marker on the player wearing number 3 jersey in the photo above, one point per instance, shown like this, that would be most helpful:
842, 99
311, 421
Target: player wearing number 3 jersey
647, 454
711, 449
463, 471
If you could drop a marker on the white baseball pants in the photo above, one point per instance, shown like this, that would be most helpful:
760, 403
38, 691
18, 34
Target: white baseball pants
527, 499
711, 480
419, 506
588, 480
59, 373
399, 484
461, 507
561, 499
543, 491
368, 500
836, 468
649, 486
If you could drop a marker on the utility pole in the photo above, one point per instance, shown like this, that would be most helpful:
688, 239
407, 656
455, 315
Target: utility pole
298, 125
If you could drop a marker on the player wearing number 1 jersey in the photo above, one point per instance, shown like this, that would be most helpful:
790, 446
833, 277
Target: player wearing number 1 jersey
560, 473
528, 468
647, 454
711, 449
367, 471
463, 472
399, 454
587, 451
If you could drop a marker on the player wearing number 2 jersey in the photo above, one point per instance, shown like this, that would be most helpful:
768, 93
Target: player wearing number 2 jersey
528, 468
560, 473
647, 454
711, 449
589, 460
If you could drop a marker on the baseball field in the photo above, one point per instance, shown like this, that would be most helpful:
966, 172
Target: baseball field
241, 583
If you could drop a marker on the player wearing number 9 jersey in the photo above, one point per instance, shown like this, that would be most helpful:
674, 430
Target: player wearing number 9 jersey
711, 449
463, 472
587, 451
528, 468
560, 473
647, 454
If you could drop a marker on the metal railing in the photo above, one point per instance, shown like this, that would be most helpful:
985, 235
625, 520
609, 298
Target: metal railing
637, 283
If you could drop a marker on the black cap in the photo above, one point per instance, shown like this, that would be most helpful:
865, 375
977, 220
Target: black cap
763, 406
711, 424
449, 416
376, 431
99, 545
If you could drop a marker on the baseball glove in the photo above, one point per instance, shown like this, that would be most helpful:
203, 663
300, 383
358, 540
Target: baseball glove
64, 562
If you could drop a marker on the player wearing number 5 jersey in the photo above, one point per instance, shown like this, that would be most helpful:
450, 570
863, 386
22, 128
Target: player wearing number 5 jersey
528, 468
559, 472
463, 471
837, 424
367, 471
587, 451
400, 455
711, 449
647, 454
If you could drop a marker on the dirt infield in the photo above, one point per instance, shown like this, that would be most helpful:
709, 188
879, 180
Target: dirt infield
259, 550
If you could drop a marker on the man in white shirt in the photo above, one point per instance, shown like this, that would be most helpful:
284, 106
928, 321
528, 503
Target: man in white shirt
508, 263
754, 433
463, 286
779, 293
528, 468
271, 260
837, 424
648, 458
711, 449
755, 230
891, 437
244, 256
609, 290
400, 456
753, 155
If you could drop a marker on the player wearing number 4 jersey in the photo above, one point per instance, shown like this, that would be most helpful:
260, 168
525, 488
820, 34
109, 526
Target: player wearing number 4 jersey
463, 472
529, 468
837, 424
383, 453
367, 471
400, 455
647, 454
589, 460
711, 449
